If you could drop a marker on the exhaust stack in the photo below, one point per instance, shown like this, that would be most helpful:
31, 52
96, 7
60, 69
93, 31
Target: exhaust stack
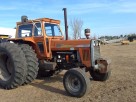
65, 20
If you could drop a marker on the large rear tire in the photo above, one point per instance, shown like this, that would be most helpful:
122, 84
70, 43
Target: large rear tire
76, 83
32, 63
12, 65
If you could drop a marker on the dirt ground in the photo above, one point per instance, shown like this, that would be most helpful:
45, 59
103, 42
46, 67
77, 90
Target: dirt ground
121, 86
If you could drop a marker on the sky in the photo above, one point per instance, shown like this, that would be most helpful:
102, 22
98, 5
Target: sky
103, 17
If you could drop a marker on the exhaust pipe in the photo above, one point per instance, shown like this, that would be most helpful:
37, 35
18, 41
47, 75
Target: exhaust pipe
65, 20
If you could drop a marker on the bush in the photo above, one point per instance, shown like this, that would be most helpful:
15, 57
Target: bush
131, 38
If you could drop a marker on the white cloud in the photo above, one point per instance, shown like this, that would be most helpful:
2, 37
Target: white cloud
126, 7
121, 6
4, 8
88, 6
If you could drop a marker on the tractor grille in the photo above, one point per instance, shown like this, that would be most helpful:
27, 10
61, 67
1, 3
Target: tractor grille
96, 52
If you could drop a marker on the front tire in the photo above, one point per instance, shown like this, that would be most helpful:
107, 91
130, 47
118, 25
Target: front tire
97, 76
76, 83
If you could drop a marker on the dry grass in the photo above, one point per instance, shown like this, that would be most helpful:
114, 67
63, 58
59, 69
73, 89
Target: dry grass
121, 87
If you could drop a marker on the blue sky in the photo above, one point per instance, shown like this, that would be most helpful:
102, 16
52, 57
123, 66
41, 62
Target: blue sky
103, 17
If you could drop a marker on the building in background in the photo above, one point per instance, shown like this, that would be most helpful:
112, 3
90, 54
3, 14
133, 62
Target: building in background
10, 32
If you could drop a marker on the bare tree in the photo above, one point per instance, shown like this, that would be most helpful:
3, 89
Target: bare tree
76, 26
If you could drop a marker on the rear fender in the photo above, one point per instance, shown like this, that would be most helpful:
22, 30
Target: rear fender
32, 44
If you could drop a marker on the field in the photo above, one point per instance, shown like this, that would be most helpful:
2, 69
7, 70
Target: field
121, 86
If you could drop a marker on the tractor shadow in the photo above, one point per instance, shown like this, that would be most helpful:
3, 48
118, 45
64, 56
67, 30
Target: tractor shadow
44, 83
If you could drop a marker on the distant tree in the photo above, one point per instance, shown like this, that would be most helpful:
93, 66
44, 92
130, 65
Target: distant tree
125, 35
131, 37
76, 26
69, 38
121, 36
109, 37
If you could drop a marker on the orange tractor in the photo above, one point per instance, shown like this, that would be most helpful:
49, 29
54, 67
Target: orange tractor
39, 47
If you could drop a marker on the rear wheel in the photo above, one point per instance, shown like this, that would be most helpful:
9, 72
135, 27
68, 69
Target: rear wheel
76, 83
32, 63
12, 65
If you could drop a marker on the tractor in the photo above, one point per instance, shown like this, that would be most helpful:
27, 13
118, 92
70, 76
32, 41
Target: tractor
40, 48
3, 38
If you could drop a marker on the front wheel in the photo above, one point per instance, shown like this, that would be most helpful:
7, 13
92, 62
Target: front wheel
97, 76
76, 82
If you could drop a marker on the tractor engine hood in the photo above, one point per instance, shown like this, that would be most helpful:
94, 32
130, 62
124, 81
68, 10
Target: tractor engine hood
91, 46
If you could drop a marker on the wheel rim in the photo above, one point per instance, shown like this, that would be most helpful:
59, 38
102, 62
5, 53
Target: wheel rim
74, 83
6, 67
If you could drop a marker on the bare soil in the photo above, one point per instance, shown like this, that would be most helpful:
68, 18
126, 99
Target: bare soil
121, 86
